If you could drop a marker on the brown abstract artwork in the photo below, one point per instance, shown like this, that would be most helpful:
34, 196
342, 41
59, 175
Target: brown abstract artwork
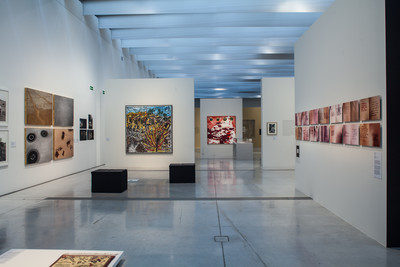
337, 134
306, 133
314, 116
351, 134
63, 146
38, 107
351, 111
324, 134
299, 131
314, 133
370, 108
323, 115
370, 134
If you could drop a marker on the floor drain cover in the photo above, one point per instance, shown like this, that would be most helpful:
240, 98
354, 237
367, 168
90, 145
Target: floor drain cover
221, 238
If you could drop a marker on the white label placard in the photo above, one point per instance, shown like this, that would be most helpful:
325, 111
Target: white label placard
378, 165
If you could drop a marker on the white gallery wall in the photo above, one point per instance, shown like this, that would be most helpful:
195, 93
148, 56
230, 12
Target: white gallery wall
176, 92
49, 46
277, 102
339, 59
219, 107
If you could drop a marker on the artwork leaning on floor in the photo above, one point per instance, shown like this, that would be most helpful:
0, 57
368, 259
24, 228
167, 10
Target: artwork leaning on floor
148, 129
221, 129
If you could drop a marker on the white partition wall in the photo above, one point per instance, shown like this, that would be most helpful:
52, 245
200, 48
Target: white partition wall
50, 46
342, 58
176, 92
277, 104
219, 107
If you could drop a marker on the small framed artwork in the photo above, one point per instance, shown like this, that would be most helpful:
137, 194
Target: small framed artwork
82, 123
272, 128
3, 107
3, 148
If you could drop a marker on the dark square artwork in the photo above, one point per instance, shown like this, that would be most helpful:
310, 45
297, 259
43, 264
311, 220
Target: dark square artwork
63, 111
90, 121
83, 135
324, 134
82, 123
90, 135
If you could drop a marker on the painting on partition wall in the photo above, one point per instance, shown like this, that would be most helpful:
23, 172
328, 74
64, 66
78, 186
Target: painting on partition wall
336, 113
314, 133
370, 134
63, 143
305, 118
148, 129
351, 134
336, 134
351, 111
38, 107
324, 134
314, 116
3, 107
306, 133
63, 111
38, 145
221, 129
3, 148
299, 132
370, 108
323, 115
249, 128
298, 119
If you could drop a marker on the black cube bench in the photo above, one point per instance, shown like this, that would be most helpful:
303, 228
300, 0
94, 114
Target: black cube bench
109, 180
182, 173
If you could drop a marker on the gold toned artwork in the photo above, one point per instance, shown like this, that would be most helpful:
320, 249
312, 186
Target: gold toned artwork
83, 260
63, 146
38, 107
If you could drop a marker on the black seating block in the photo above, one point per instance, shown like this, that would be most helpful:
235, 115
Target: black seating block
182, 173
109, 180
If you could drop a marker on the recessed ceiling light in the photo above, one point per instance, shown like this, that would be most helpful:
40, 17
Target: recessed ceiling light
219, 89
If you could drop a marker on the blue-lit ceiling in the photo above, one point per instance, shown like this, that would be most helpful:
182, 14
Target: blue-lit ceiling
227, 46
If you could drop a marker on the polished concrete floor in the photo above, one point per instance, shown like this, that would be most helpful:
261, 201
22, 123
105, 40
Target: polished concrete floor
235, 215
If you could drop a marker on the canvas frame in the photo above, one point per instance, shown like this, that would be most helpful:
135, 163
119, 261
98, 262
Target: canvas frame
170, 129
5, 95
272, 128
4, 135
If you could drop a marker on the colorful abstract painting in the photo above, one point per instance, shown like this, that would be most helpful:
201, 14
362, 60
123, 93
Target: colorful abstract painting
221, 129
148, 129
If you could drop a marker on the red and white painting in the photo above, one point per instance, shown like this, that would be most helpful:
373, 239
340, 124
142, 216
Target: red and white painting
221, 129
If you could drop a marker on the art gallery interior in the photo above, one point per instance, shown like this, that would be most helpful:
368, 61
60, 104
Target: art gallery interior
296, 199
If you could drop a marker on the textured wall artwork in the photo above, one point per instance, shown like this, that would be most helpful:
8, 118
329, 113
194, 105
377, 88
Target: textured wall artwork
38, 145
299, 132
351, 111
314, 116
323, 115
370, 108
370, 134
336, 114
3, 148
38, 107
324, 134
63, 143
351, 134
337, 134
221, 129
306, 133
83, 260
63, 111
305, 118
148, 129
314, 133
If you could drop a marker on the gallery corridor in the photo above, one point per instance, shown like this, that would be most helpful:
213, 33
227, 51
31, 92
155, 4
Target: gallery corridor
235, 215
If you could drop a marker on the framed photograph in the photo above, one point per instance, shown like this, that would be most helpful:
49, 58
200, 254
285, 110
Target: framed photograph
3, 107
221, 130
90, 121
90, 134
272, 128
82, 123
83, 135
148, 129
3, 148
